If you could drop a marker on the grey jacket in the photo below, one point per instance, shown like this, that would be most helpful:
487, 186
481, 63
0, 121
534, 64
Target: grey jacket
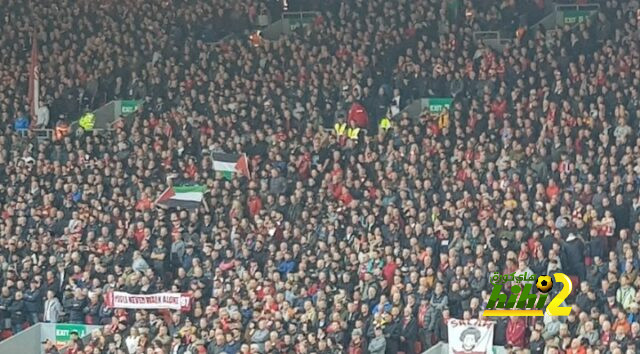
551, 329
377, 345
52, 310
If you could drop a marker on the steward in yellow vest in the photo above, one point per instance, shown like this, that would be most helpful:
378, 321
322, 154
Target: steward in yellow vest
87, 121
443, 119
352, 133
385, 123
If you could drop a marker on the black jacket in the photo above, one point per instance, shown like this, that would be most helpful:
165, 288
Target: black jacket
17, 310
500, 330
33, 300
75, 308
5, 303
105, 314
392, 333
410, 334
93, 312
537, 347
441, 330
573, 253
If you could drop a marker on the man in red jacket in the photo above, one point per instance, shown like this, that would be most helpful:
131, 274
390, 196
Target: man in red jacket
356, 344
516, 328
358, 115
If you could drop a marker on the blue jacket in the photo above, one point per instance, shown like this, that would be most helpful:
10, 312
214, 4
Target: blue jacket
232, 348
286, 267
21, 124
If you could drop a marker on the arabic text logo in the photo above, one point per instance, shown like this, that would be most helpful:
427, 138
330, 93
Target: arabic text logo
524, 300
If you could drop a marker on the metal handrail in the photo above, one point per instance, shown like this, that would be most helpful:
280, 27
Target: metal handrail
48, 133
494, 39
299, 14
38, 131
44, 132
224, 39
577, 7
561, 8
486, 35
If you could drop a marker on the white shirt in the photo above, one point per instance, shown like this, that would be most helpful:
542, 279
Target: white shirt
395, 106
132, 343
42, 116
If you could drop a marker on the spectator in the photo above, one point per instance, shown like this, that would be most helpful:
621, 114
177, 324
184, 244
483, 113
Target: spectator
18, 312
52, 308
552, 328
49, 347
516, 329
378, 343
409, 331
33, 302
74, 305
626, 294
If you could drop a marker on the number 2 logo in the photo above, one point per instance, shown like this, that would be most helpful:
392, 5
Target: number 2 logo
554, 308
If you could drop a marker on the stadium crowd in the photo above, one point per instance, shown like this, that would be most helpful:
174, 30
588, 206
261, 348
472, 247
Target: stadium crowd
335, 244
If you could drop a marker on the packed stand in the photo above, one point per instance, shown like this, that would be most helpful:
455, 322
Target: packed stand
364, 245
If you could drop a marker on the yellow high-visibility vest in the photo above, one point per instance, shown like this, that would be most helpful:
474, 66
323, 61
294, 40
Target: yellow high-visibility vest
443, 120
340, 128
385, 123
87, 121
352, 133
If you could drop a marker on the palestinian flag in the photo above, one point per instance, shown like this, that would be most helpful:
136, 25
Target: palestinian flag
186, 197
230, 164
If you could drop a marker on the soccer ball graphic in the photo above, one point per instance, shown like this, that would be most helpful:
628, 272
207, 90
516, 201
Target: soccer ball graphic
544, 283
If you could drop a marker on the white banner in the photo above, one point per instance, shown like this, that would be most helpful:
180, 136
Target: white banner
171, 301
470, 337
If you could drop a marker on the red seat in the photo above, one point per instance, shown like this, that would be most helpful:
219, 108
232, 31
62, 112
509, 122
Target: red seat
5, 334
576, 284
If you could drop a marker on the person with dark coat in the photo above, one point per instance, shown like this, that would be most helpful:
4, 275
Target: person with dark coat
441, 330
75, 307
52, 283
586, 297
92, 311
621, 213
105, 313
392, 332
18, 312
500, 331
409, 333
573, 256
33, 302
439, 302
425, 334
597, 271
5, 303
455, 301
536, 344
